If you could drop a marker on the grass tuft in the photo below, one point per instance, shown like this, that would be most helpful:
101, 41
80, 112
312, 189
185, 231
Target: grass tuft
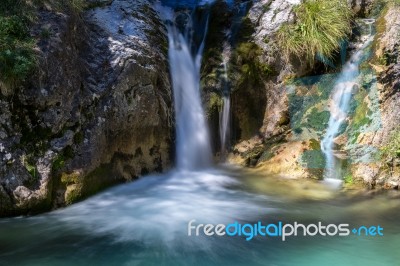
319, 28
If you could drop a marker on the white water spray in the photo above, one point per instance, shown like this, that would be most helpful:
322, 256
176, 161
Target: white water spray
340, 102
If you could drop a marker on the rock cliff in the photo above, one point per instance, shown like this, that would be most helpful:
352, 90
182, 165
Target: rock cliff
96, 112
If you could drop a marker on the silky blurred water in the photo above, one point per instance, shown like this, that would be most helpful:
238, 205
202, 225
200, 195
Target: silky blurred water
145, 223
341, 96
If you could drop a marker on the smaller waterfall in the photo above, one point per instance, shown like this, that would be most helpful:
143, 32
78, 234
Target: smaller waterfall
340, 102
224, 117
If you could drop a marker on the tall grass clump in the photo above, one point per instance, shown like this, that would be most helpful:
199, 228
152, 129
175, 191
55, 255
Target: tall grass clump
318, 29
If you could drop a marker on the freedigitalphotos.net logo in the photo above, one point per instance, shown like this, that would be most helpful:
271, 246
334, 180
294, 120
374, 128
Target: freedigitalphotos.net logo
281, 230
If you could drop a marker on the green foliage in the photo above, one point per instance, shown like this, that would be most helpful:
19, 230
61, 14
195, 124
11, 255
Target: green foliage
348, 179
16, 46
317, 119
391, 150
17, 56
360, 115
29, 164
58, 163
319, 28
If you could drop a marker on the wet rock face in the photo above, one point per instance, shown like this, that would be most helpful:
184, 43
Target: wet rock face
268, 16
255, 72
361, 7
387, 66
98, 108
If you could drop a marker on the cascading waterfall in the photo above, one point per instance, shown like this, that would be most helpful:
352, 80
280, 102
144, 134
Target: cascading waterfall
192, 138
224, 119
340, 102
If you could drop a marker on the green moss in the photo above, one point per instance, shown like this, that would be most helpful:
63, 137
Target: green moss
306, 103
269, 150
380, 27
58, 163
29, 163
314, 162
317, 120
17, 55
215, 102
246, 64
246, 70
73, 194
79, 187
315, 145
70, 178
348, 179
361, 114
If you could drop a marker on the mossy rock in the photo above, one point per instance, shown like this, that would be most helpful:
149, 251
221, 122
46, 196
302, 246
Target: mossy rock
314, 162
315, 145
318, 120
80, 187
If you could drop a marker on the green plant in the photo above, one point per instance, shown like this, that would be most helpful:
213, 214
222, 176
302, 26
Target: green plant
16, 49
17, 56
29, 164
391, 150
348, 179
318, 29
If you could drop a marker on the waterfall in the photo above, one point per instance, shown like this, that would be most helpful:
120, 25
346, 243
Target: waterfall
193, 149
224, 123
224, 117
340, 102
